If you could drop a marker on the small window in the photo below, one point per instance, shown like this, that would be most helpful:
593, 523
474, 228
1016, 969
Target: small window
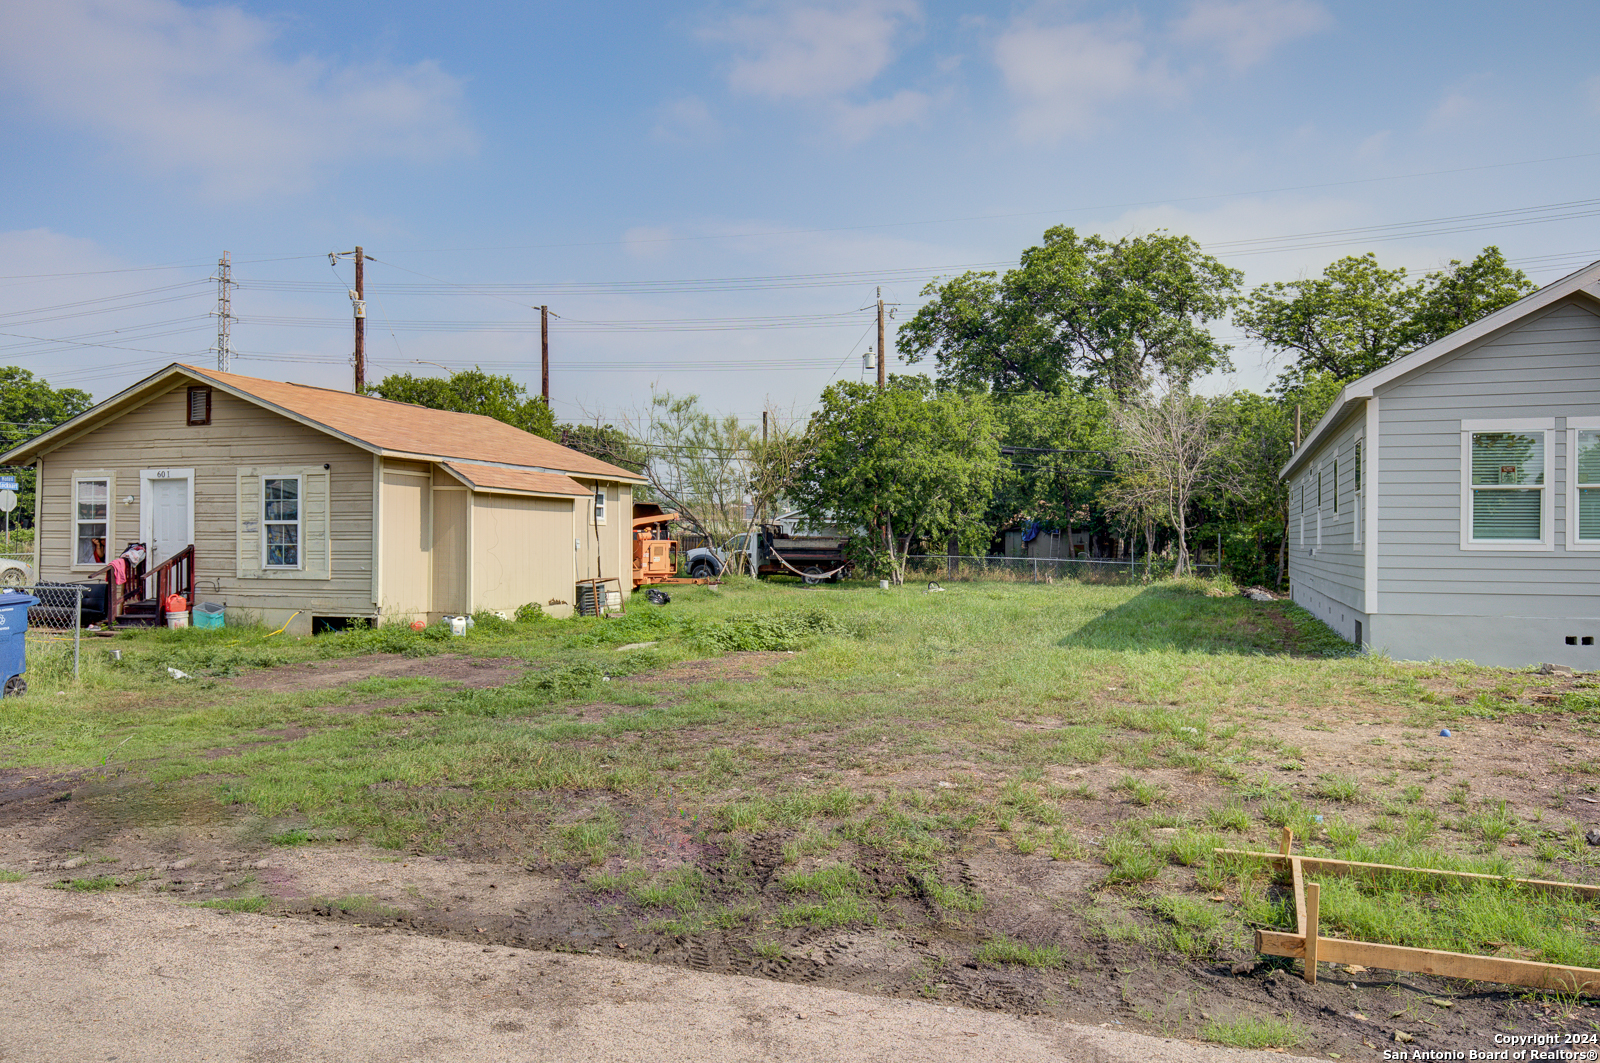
600, 504
199, 406
1336, 485
1508, 487
1589, 486
1358, 465
93, 502
280, 522
1319, 488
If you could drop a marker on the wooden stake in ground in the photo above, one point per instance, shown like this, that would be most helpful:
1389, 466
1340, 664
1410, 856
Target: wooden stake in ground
1308, 944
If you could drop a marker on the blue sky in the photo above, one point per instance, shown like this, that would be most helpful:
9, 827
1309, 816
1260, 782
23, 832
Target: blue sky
785, 158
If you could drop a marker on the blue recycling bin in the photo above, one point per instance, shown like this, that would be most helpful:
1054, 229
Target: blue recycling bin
14, 641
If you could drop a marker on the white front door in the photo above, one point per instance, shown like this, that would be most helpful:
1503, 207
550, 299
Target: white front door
169, 524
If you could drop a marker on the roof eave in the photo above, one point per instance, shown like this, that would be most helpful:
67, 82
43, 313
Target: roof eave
1365, 387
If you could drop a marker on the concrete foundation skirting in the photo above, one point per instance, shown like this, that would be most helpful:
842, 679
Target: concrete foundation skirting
1338, 616
1497, 641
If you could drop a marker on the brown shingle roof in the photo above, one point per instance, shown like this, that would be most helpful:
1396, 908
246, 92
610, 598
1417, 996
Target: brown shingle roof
493, 478
408, 429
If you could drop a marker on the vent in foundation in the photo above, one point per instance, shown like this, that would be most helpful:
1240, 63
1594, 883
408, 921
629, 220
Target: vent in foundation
1588, 640
1572, 640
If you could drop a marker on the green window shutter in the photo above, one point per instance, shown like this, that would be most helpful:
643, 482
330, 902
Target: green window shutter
249, 523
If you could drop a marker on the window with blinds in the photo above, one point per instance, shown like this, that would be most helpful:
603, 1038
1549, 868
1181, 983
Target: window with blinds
1588, 485
1507, 486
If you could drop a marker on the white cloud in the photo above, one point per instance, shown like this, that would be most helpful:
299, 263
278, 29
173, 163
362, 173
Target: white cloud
206, 92
1246, 31
686, 120
857, 122
813, 51
1454, 108
648, 242
1064, 75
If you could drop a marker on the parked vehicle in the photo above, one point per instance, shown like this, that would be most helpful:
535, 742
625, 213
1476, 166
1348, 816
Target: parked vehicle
15, 573
775, 552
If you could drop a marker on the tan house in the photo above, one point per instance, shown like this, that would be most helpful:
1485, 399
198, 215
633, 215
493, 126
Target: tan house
334, 506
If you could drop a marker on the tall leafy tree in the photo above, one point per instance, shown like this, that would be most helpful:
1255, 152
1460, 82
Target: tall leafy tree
1173, 449
29, 406
1114, 312
910, 463
1059, 445
1459, 294
606, 442
1358, 316
697, 464
472, 391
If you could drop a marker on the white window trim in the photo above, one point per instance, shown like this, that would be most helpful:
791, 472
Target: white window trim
1319, 529
1358, 454
299, 521
599, 503
1574, 425
1541, 425
110, 478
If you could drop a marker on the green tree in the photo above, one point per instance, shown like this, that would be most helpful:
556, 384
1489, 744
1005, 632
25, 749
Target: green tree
1458, 295
1358, 316
1173, 450
697, 464
1059, 445
472, 391
910, 463
606, 442
1113, 312
29, 406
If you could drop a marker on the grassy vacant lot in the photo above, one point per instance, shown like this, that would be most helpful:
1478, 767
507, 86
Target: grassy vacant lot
1002, 795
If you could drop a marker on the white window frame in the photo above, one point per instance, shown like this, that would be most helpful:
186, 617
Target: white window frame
1358, 455
1319, 529
1544, 426
599, 503
1574, 426
299, 522
107, 477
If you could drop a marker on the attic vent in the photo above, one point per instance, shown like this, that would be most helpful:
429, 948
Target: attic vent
199, 406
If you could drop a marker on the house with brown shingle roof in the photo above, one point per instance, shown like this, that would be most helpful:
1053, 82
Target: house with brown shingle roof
308, 506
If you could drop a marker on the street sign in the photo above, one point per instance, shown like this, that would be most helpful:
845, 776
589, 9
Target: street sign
8, 483
8, 501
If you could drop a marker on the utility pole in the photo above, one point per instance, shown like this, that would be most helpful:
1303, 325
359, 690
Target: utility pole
358, 303
882, 354
224, 312
360, 300
544, 353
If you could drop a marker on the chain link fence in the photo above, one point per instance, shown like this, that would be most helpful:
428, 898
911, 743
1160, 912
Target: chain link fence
1040, 569
55, 625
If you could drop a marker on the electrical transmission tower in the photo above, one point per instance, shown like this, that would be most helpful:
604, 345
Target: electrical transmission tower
224, 312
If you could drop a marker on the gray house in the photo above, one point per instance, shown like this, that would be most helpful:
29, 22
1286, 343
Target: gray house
1448, 505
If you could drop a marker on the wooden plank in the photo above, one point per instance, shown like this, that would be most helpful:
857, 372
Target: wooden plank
1352, 867
1308, 929
1297, 876
1551, 976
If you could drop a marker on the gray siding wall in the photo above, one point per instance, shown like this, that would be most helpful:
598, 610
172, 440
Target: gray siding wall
1329, 580
1547, 367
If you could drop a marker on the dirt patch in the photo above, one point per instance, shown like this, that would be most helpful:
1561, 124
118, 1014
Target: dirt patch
745, 664
321, 675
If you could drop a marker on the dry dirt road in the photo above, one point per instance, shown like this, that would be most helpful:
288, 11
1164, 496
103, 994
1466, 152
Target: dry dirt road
99, 977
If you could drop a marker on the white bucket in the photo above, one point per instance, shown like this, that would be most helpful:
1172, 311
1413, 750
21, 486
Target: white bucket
883, 585
177, 620
458, 625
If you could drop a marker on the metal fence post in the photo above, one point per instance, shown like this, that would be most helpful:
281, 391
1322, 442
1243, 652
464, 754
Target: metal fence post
77, 632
